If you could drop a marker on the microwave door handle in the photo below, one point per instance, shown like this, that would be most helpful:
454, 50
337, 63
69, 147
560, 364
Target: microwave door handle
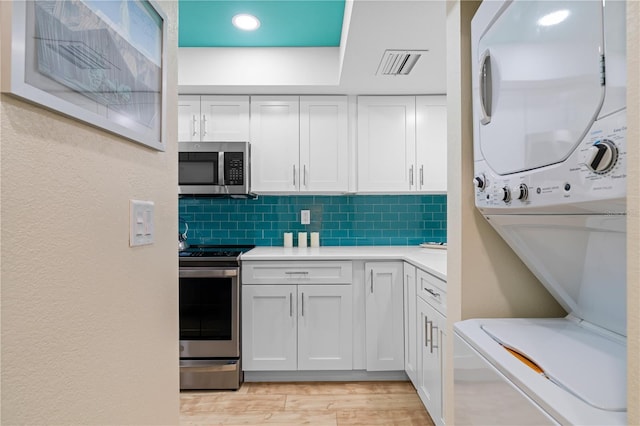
221, 169
484, 88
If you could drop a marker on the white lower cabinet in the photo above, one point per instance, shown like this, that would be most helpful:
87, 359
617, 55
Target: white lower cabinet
410, 324
431, 328
325, 337
297, 316
384, 316
269, 327
296, 327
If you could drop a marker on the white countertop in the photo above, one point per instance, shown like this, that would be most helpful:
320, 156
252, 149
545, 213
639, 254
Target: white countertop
429, 259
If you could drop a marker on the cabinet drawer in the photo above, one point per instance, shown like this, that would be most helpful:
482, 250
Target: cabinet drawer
293, 272
433, 290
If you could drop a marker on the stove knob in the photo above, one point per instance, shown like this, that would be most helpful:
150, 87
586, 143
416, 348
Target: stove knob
521, 192
506, 194
602, 156
480, 182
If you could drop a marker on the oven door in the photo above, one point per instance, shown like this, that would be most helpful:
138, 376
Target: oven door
209, 312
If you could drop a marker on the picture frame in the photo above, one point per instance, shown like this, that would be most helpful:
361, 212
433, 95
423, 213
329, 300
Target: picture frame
102, 62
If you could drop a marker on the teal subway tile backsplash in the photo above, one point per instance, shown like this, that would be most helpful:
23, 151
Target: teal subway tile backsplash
341, 220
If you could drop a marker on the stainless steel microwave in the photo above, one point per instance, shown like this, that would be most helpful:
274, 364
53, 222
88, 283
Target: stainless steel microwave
214, 169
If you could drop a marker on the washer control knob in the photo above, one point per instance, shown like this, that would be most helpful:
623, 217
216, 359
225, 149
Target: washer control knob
521, 192
602, 156
506, 194
480, 182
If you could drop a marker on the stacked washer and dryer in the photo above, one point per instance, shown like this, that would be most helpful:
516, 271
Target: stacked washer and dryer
550, 176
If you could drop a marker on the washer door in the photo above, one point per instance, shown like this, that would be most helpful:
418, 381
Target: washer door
580, 259
539, 85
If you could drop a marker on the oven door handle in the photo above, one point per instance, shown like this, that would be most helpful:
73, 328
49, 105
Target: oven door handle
208, 273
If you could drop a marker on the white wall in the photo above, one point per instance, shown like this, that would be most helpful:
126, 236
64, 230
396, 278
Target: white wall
89, 325
249, 69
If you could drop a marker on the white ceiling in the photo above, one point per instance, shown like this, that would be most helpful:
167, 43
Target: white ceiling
371, 27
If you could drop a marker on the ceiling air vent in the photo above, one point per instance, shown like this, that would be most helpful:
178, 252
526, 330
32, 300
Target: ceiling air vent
399, 62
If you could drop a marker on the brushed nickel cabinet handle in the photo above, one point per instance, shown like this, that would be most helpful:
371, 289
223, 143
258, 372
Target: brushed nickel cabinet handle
302, 304
194, 124
411, 175
204, 125
426, 332
421, 176
432, 345
372, 281
290, 304
294, 175
432, 292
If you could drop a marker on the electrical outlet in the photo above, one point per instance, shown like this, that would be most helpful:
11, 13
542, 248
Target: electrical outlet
305, 217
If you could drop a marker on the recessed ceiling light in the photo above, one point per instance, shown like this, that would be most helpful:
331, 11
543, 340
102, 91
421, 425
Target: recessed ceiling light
246, 22
553, 18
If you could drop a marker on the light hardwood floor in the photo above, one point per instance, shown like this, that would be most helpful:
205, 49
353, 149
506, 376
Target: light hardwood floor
317, 403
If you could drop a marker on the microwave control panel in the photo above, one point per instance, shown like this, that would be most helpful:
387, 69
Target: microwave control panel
234, 168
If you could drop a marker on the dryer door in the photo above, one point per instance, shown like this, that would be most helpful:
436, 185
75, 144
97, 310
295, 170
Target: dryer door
539, 84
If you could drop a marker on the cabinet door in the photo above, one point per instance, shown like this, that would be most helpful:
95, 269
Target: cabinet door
188, 118
432, 335
323, 144
384, 315
410, 323
386, 143
325, 337
269, 327
275, 140
225, 118
431, 143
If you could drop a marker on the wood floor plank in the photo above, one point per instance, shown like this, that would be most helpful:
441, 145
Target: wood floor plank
353, 402
234, 403
330, 388
418, 417
281, 418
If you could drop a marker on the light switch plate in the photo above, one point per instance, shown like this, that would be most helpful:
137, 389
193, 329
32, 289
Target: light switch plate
141, 222
305, 217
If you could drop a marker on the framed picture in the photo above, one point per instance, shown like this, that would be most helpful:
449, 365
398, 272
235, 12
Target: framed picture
98, 61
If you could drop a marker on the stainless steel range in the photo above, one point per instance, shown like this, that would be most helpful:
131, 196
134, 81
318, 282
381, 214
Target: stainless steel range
210, 317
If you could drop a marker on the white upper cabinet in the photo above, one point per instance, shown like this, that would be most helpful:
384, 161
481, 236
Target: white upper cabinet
275, 136
299, 144
213, 118
386, 143
225, 118
324, 146
431, 143
188, 118
402, 144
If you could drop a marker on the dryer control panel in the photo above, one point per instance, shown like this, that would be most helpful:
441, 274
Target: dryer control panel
594, 172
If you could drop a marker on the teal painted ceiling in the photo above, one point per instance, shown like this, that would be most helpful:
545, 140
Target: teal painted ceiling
283, 23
